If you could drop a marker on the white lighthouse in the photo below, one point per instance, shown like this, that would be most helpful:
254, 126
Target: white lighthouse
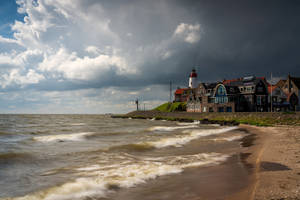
193, 79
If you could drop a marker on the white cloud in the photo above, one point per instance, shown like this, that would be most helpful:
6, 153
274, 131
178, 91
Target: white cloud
8, 40
75, 41
86, 68
92, 50
190, 33
14, 77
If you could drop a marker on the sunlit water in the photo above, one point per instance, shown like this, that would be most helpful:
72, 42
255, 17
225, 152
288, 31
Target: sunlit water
61, 157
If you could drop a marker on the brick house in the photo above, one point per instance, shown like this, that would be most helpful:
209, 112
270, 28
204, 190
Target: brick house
279, 99
182, 94
248, 94
291, 87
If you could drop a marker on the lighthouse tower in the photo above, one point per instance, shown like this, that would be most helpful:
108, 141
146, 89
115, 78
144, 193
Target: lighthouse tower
193, 79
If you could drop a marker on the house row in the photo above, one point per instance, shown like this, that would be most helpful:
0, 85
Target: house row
247, 94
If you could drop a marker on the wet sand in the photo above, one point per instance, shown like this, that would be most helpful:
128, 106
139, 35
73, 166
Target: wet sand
278, 164
266, 167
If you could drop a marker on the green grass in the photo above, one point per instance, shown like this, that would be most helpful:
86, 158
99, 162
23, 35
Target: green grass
171, 107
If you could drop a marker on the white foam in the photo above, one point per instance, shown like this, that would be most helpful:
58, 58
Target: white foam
137, 171
78, 124
231, 138
170, 128
63, 137
184, 139
188, 123
89, 168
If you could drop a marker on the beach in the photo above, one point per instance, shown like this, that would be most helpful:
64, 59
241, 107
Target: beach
277, 163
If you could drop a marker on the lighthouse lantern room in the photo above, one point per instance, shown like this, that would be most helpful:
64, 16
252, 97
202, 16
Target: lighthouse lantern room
193, 79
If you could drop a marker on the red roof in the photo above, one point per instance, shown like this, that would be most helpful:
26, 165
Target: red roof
273, 88
180, 91
225, 82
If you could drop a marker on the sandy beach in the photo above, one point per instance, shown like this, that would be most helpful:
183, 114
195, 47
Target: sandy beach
275, 158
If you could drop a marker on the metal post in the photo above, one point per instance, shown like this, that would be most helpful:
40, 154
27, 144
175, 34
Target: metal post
137, 104
170, 91
271, 95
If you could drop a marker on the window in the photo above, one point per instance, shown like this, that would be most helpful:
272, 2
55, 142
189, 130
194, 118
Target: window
211, 109
228, 109
221, 90
258, 100
221, 99
260, 89
220, 109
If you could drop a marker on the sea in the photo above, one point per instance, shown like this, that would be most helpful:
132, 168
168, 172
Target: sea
85, 157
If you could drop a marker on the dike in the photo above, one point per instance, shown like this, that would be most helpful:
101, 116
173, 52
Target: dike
233, 119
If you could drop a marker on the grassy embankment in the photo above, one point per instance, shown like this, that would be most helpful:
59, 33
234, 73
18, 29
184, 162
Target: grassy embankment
173, 112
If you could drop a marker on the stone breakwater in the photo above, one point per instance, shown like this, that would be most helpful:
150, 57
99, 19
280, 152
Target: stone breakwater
252, 118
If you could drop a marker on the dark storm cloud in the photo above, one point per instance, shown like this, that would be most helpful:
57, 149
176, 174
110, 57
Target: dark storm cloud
239, 38
246, 37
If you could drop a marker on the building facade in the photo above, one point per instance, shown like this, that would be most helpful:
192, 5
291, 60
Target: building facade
291, 87
248, 94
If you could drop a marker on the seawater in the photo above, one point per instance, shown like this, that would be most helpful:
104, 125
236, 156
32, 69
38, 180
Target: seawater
70, 157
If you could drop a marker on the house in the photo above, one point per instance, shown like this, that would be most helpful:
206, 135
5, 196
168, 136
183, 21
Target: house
291, 87
214, 97
248, 94
279, 99
253, 93
182, 94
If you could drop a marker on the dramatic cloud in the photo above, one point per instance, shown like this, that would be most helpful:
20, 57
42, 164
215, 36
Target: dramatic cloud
190, 33
123, 50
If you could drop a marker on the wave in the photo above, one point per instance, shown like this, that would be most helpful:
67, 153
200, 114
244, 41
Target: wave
143, 146
177, 141
102, 181
188, 123
78, 124
231, 138
63, 137
14, 156
170, 128
184, 139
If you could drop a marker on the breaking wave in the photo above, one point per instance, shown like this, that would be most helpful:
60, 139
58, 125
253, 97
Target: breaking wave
192, 135
99, 182
231, 138
188, 123
171, 128
63, 137
177, 141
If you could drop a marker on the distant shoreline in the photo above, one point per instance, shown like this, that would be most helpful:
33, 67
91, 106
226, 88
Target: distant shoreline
251, 118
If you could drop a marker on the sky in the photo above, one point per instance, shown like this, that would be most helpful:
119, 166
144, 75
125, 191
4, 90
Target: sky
98, 56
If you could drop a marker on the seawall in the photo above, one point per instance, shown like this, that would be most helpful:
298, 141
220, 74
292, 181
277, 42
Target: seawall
252, 118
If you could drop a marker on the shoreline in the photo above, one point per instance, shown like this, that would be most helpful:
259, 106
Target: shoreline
228, 119
274, 157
